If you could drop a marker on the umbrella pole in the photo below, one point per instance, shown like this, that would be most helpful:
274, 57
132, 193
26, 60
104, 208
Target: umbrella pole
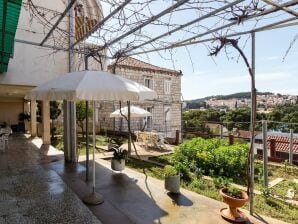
94, 198
129, 131
87, 141
87, 129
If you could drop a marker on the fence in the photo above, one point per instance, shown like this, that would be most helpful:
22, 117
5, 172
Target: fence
280, 146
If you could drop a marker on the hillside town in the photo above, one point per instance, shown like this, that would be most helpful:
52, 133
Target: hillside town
264, 102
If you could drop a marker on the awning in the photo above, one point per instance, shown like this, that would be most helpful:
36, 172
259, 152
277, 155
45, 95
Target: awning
9, 17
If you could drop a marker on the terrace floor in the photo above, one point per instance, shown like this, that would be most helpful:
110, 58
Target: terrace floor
36, 188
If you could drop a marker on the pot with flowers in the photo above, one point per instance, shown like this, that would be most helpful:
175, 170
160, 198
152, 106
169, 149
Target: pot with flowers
118, 160
172, 179
235, 199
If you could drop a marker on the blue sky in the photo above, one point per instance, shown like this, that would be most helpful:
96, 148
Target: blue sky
205, 75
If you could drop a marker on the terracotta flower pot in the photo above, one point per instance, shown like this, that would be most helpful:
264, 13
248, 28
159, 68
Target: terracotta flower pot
232, 213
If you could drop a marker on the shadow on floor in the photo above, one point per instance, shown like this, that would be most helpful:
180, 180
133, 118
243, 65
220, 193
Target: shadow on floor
124, 201
180, 199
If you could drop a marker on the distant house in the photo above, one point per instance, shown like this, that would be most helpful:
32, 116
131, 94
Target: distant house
166, 110
278, 145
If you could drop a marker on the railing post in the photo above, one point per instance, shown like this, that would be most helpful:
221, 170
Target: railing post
221, 131
265, 153
291, 146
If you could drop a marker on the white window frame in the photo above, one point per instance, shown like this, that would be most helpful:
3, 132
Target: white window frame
167, 86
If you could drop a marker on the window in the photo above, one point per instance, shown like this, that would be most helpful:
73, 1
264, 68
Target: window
148, 83
167, 86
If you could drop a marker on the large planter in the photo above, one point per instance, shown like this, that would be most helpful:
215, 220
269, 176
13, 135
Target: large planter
172, 184
118, 165
232, 213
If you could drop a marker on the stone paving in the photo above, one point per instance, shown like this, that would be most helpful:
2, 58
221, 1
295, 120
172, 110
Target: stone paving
30, 194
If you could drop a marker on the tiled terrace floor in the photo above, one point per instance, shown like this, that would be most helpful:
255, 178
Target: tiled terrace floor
130, 197
31, 194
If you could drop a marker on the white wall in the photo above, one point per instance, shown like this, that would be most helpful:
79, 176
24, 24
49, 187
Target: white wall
33, 65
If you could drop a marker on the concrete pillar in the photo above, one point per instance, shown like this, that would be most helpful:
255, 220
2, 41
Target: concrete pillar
66, 135
69, 124
46, 134
26, 109
33, 118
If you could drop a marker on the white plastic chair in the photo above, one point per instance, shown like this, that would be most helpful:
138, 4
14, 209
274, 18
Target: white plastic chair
5, 136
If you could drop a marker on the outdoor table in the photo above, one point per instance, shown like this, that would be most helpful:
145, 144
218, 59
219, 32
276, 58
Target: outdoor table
148, 138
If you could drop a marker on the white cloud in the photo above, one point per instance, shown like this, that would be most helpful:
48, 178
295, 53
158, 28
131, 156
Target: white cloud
270, 58
262, 77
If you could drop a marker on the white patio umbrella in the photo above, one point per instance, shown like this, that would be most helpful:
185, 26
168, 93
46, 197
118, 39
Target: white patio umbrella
91, 86
134, 112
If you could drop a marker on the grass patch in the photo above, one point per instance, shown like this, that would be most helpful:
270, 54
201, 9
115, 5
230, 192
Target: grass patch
282, 188
149, 169
164, 159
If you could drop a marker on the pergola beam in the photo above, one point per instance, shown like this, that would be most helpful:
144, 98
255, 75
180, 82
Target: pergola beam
150, 20
292, 12
271, 10
277, 25
186, 25
97, 26
180, 43
77, 51
58, 21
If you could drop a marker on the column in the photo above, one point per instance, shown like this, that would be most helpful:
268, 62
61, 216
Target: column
33, 118
46, 134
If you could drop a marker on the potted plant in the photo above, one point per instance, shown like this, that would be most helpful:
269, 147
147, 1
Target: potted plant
235, 198
110, 144
114, 142
118, 160
172, 179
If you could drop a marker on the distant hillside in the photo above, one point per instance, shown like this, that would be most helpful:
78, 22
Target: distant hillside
240, 95
197, 103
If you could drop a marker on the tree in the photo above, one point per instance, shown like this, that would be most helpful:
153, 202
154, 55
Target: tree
285, 113
224, 42
292, 119
195, 121
81, 114
55, 112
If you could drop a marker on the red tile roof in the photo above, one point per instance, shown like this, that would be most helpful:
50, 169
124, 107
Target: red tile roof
132, 63
282, 143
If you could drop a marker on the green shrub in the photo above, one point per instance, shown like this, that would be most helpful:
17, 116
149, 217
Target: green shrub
198, 184
170, 171
213, 156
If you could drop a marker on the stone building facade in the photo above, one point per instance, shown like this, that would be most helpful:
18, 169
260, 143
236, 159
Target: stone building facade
166, 110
